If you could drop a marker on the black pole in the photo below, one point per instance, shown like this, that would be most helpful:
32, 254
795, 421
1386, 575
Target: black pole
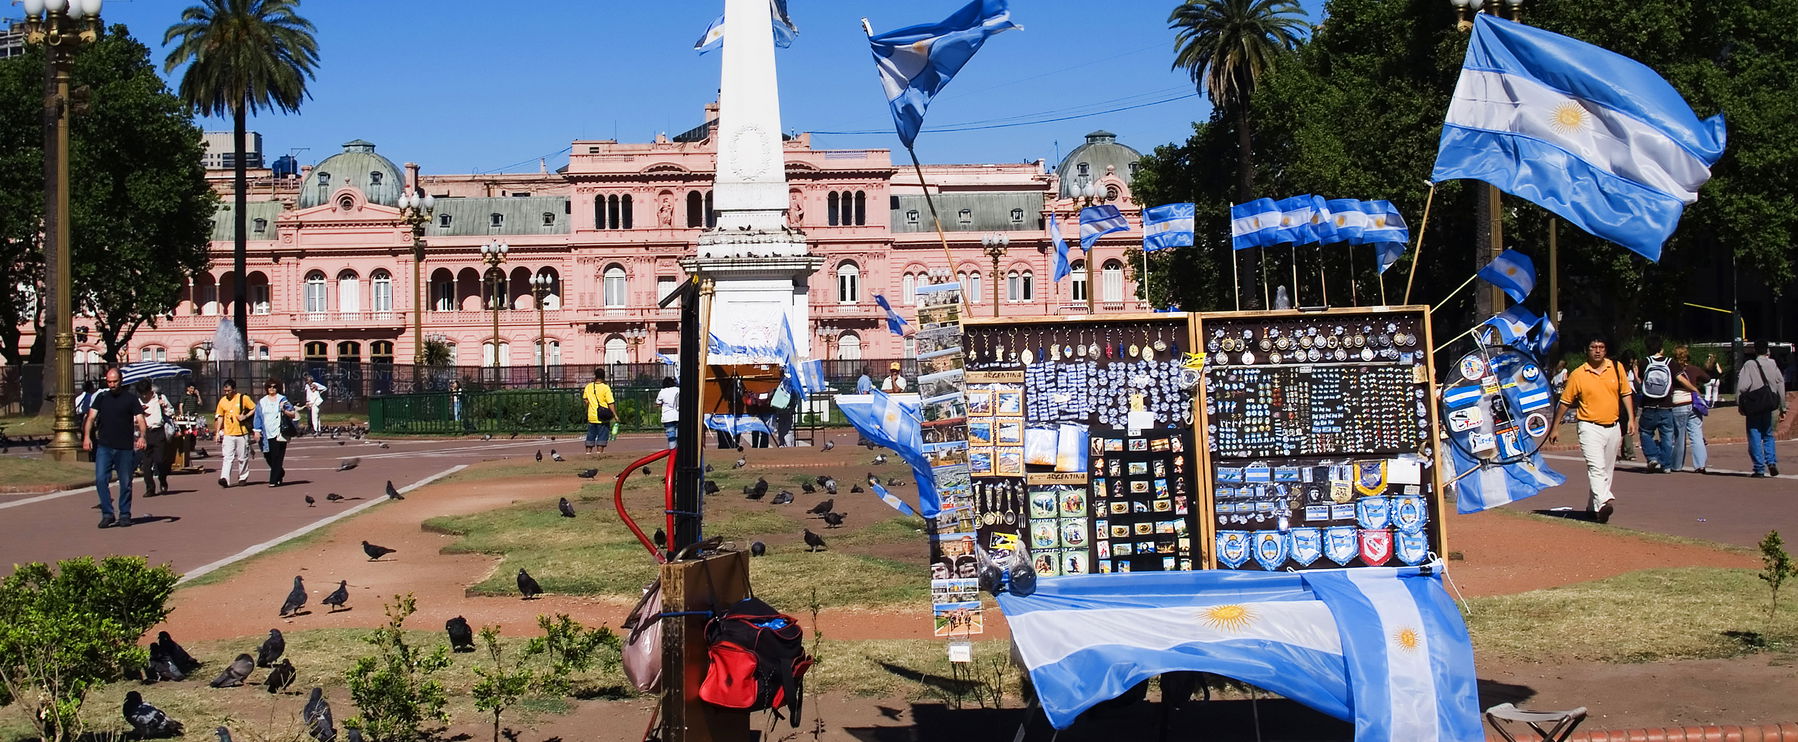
688, 474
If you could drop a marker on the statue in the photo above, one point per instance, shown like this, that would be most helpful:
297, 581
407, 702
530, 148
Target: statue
665, 213
796, 210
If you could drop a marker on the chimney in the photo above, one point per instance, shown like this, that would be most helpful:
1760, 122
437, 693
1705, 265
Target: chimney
412, 176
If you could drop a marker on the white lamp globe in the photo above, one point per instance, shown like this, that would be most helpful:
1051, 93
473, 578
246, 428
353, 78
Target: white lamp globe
34, 8
56, 6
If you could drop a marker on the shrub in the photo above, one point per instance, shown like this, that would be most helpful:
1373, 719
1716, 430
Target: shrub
503, 685
573, 648
395, 689
1776, 566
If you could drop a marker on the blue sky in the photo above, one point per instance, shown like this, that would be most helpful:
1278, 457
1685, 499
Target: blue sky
463, 86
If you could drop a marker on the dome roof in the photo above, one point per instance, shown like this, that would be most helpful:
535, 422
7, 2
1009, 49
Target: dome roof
357, 165
1088, 162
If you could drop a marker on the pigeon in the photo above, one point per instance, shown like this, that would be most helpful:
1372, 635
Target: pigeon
813, 541
752, 493
310, 502
894, 482
334, 497
183, 661
823, 507
830, 486
234, 673
295, 597
279, 678
873, 479
318, 717
645, 471
339, 596
659, 538
161, 667
348, 464
272, 648
461, 636
708, 468
539, 454
808, 487
761, 487
741, 462
566, 509
223, 733
829, 445
783, 498
553, 456
588, 473
376, 551
880, 458
147, 720
855, 488
528, 585
832, 520
711, 487
487, 437
757, 549
393, 494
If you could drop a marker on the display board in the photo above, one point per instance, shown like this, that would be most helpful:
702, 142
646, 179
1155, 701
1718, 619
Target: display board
1320, 438
1080, 441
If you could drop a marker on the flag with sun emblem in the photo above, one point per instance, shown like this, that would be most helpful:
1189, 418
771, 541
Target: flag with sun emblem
1513, 272
1591, 135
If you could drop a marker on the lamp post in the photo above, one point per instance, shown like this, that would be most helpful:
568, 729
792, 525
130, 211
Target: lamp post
494, 255
415, 212
540, 286
635, 336
994, 246
826, 332
62, 27
1087, 194
1489, 232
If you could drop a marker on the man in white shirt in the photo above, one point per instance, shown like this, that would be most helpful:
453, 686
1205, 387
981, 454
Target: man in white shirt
315, 401
893, 383
669, 401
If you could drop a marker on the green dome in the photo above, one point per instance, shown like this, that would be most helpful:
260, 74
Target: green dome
357, 165
1088, 162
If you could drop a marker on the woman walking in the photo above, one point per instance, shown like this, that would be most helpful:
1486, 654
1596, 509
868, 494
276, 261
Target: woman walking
275, 426
158, 421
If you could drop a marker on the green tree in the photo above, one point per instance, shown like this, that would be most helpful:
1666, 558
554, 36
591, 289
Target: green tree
1776, 567
140, 207
66, 632
242, 57
1228, 46
503, 685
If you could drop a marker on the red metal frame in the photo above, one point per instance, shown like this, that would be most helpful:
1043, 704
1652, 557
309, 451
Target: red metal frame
667, 500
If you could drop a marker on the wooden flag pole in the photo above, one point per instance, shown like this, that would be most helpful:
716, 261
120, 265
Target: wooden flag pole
940, 237
1354, 292
1145, 279
1417, 252
1295, 273
1267, 296
1323, 277
1235, 279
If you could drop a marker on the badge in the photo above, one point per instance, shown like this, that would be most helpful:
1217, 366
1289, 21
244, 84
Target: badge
1317, 513
1413, 548
1472, 367
1232, 548
1345, 511
1536, 424
1533, 400
1458, 397
1530, 372
1307, 545
1370, 477
1341, 492
1465, 419
1480, 442
1270, 550
1409, 514
1339, 544
1029, 356
1373, 512
1376, 547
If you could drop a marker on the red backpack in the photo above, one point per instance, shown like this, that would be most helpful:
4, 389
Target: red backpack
757, 660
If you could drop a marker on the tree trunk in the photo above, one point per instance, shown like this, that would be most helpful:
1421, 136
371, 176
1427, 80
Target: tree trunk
239, 214
1250, 273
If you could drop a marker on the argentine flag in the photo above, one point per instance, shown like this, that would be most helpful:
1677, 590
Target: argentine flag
784, 30
895, 422
1168, 225
1061, 249
1513, 326
1494, 484
1346, 219
1591, 135
895, 322
737, 424
917, 62
1296, 221
891, 499
1098, 221
1513, 272
1253, 224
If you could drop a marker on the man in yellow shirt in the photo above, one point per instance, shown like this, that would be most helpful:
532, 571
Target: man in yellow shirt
1601, 394
233, 434
602, 409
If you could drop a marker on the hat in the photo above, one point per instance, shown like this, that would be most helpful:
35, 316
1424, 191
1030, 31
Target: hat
894, 367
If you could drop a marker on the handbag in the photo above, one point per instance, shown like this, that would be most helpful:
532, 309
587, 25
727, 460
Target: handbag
643, 645
1699, 406
1760, 399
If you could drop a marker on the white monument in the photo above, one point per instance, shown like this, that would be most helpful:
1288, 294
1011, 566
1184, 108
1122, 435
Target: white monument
760, 268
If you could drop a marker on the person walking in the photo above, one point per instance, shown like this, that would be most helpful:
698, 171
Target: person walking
1662, 444
1761, 398
113, 433
159, 420
274, 425
315, 401
669, 401
83, 402
1602, 397
230, 420
1689, 409
1628, 360
602, 409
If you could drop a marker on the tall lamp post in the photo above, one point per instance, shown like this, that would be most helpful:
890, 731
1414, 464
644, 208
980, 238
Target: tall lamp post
826, 332
62, 27
1087, 194
994, 245
635, 336
540, 286
1489, 232
415, 212
494, 255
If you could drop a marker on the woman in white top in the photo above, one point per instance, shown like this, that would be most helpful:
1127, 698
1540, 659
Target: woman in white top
271, 411
669, 401
158, 419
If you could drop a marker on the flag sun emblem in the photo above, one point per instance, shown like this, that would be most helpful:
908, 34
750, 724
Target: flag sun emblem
1230, 617
1568, 117
1408, 639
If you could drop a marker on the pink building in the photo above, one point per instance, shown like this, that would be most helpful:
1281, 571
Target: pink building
331, 273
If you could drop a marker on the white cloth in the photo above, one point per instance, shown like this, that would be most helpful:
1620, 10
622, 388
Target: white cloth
235, 448
1600, 444
892, 384
269, 409
157, 412
669, 401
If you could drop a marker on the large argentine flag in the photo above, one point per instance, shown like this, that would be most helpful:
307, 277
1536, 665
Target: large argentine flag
917, 62
1098, 221
1591, 135
896, 422
1165, 226
1254, 223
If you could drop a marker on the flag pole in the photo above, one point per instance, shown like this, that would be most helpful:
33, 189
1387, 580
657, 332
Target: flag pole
1417, 252
1323, 275
1380, 276
1267, 296
1354, 292
1457, 290
931, 203
1235, 279
1145, 279
1295, 273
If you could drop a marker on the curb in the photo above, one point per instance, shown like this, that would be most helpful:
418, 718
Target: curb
1784, 732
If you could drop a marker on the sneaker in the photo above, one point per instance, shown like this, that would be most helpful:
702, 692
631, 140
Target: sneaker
224, 483
1759, 475
1700, 470
1653, 468
107, 521
124, 522
1604, 513
1773, 469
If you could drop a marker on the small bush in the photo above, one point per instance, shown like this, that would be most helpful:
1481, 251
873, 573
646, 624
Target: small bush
395, 689
1776, 566
503, 685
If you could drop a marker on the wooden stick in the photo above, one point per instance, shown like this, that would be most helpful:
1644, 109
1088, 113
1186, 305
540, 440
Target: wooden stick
1295, 274
1267, 296
1417, 252
942, 238
1457, 290
1235, 279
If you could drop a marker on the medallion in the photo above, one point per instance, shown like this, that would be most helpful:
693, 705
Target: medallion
1232, 548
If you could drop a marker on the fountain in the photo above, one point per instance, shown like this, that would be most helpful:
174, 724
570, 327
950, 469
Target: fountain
227, 344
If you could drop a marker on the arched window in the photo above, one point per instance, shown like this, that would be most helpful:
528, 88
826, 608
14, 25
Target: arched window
497, 289
849, 278
909, 285
381, 298
555, 352
1019, 286
617, 351
849, 347
625, 210
971, 288
349, 351
695, 209
613, 216
316, 350
832, 204
443, 290
615, 286
153, 353
380, 351
261, 353
861, 208
552, 299
505, 353
1111, 281
258, 293
711, 217
349, 292
314, 300
1077, 272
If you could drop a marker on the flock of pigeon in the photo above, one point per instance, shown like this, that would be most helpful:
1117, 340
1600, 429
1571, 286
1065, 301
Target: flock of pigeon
169, 662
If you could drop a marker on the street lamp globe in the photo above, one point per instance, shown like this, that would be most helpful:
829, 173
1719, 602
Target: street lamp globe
405, 202
56, 6
1459, 3
430, 202
34, 8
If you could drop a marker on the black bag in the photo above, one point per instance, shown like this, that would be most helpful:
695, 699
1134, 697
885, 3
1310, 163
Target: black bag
1761, 399
290, 428
604, 414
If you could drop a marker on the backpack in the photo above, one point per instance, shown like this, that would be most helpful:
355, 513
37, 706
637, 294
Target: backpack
757, 660
1657, 378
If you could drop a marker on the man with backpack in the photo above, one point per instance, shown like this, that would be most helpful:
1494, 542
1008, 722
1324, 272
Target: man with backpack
1760, 394
1663, 442
602, 409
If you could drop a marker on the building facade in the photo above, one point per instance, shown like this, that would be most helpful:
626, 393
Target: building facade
332, 276
221, 154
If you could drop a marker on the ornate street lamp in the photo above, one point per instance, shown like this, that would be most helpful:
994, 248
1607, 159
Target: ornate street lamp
494, 255
635, 336
62, 27
1087, 194
540, 287
415, 211
994, 245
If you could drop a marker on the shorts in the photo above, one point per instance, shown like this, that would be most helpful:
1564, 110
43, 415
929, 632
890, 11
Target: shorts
599, 434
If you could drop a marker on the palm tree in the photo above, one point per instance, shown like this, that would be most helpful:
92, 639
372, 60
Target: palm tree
243, 57
1227, 46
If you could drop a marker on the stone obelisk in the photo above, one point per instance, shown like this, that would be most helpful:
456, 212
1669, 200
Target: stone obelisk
760, 267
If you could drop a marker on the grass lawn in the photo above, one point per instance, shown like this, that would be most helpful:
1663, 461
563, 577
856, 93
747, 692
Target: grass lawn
20, 426
31, 473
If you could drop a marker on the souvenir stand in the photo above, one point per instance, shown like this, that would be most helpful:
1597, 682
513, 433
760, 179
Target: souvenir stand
740, 399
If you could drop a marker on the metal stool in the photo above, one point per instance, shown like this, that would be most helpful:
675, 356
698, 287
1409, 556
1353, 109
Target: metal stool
1562, 722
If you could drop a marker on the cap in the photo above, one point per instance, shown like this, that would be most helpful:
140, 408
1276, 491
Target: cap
894, 367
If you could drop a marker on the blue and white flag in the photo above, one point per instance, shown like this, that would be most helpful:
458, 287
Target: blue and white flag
665, 359
1061, 249
894, 321
1346, 219
1513, 327
810, 377
1591, 135
891, 499
784, 30
1513, 272
1388, 253
1168, 225
917, 62
1254, 224
1384, 223
1410, 661
1098, 221
738, 424
1296, 215
895, 422
1496, 484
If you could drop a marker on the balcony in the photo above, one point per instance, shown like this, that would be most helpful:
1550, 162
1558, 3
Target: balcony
346, 320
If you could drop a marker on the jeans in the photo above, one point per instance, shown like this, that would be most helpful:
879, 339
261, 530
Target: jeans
1660, 438
1691, 428
1760, 441
275, 453
151, 461
108, 462
673, 431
